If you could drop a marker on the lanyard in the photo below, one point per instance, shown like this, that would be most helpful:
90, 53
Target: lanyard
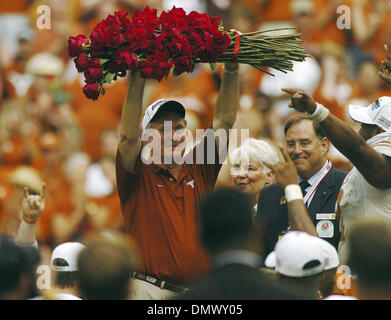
324, 172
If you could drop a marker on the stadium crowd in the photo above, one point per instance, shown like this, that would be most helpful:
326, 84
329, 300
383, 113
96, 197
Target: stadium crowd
73, 185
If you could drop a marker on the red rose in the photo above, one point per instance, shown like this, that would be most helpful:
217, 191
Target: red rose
214, 21
81, 62
112, 37
146, 19
174, 18
97, 37
75, 45
179, 46
183, 64
93, 72
207, 56
218, 42
137, 39
146, 69
154, 46
124, 60
92, 91
194, 40
121, 16
156, 67
195, 19
174, 47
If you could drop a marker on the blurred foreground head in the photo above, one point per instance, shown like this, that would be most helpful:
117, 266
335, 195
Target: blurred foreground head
369, 258
17, 270
226, 222
105, 268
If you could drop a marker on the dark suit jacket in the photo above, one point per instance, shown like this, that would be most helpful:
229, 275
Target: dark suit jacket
240, 282
273, 213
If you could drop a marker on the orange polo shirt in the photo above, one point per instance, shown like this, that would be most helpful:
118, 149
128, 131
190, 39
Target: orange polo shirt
161, 215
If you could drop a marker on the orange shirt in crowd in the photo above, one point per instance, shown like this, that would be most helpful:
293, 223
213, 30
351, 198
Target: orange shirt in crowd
331, 104
161, 215
5, 191
330, 31
277, 10
97, 116
58, 200
18, 6
375, 45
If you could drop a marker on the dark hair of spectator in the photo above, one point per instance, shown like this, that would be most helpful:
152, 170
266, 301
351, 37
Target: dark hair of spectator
15, 262
105, 268
226, 219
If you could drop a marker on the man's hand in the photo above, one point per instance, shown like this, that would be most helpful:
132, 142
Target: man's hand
301, 101
286, 174
385, 70
285, 170
33, 205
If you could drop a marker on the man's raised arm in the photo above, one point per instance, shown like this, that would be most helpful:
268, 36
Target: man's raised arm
375, 167
130, 143
227, 100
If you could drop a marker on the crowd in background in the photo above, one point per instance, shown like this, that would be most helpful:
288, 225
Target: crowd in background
51, 133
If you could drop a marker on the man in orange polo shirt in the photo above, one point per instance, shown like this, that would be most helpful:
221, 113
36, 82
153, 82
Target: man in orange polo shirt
160, 195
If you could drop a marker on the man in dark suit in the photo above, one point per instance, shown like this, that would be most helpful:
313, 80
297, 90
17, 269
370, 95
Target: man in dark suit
233, 242
320, 182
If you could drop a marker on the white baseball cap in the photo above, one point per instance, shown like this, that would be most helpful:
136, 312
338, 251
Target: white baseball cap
331, 255
297, 249
377, 113
159, 105
69, 251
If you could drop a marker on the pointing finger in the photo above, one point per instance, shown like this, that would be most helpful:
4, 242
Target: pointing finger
289, 91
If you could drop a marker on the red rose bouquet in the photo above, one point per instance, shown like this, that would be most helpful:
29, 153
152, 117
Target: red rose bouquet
154, 44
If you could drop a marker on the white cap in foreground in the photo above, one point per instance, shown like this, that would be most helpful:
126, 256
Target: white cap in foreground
68, 251
298, 254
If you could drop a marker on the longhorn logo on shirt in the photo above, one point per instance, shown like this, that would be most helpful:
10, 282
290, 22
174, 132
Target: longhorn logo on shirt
191, 183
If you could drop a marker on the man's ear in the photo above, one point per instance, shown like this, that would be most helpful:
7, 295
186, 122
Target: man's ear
325, 143
269, 178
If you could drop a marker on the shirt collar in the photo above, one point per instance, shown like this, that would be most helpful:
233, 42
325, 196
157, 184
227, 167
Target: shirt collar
157, 169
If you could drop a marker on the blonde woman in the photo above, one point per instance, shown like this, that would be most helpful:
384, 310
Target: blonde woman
247, 171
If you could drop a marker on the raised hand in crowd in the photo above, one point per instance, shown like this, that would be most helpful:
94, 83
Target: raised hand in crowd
301, 101
33, 205
285, 171
32, 208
